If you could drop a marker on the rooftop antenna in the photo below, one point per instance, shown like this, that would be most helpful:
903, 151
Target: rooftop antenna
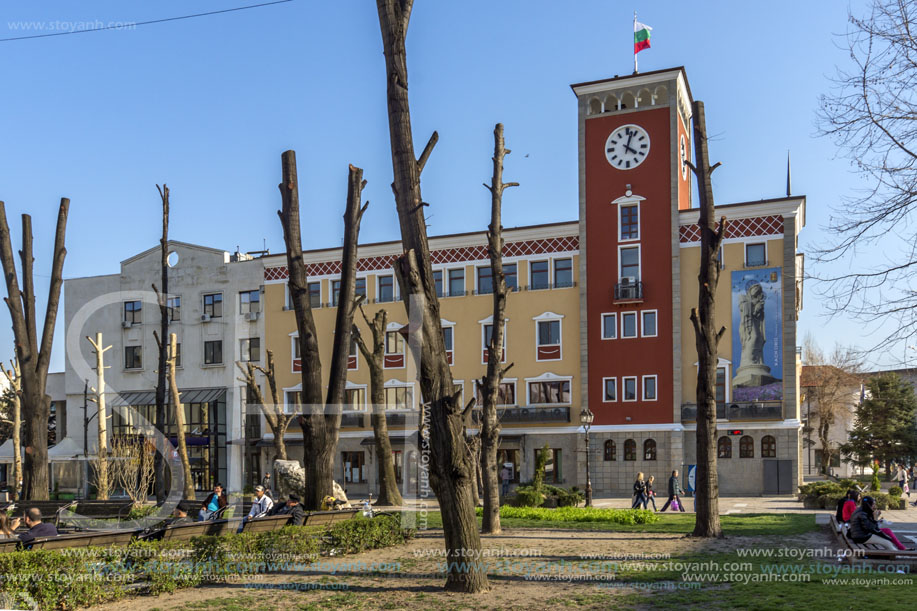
788, 186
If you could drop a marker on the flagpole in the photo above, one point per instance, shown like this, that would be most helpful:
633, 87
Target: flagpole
635, 49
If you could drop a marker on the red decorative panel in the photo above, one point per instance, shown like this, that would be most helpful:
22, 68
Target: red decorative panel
393, 361
449, 356
737, 228
352, 362
486, 355
297, 365
548, 353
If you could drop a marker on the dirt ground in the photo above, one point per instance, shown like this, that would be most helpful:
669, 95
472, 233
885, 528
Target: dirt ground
406, 577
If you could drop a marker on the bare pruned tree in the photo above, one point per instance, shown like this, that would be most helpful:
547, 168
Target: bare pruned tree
321, 420
100, 465
132, 466
179, 411
33, 352
160, 416
451, 464
375, 360
273, 412
13, 376
871, 114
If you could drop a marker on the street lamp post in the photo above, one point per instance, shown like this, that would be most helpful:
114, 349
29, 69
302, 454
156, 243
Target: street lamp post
586, 417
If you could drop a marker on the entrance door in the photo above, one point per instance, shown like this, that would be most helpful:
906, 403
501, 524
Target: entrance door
778, 477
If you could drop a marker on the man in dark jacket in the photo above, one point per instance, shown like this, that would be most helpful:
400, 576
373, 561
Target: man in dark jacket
37, 528
674, 492
865, 529
291, 507
214, 502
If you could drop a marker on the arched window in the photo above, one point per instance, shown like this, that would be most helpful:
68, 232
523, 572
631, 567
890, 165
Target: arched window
611, 452
595, 106
649, 450
630, 450
768, 447
611, 103
724, 447
746, 447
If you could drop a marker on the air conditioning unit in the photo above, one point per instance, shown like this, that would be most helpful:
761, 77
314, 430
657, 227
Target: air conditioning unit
628, 280
205, 317
628, 291
251, 316
126, 324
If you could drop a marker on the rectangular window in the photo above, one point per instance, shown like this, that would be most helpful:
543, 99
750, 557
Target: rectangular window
315, 295
630, 388
649, 323
755, 255
505, 396
541, 275
720, 384
456, 282
609, 326
177, 354
394, 350
398, 460
399, 397
173, 305
630, 264
386, 291
630, 222
438, 281
512, 277
548, 338
485, 280
213, 352
628, 324
360, 287
488, 333
213, 305
448, 342
563, 273
133, 357
649, 388
611, 390
552, 474
354, 399
549, 393
353, 467
250, 349
294, 401
249, 301
132, 312
335, 293
721, 258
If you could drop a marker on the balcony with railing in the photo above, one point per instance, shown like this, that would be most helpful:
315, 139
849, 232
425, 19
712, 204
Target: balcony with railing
628, 292
738, 410
527, 414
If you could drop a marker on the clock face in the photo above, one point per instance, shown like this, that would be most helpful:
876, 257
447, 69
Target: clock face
683, 151
627, 147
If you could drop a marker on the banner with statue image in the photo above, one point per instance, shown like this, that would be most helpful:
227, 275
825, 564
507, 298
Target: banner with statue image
757, 335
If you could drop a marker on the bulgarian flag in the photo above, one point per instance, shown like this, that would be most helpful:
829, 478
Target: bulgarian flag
641, 36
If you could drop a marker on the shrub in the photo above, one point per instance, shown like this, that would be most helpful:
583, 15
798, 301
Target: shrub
830, 501
579, 514
143, 511
528, 496
876, 485
895, 491
565, 498
541, 462
357, 535
817, 489
882, 500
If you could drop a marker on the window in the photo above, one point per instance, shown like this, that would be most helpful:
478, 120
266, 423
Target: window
335, 293
132, 312
541, 275
721, 258
746, 447
353, 360
354, 399
628, 324
315, 295
249, 301
724, 447
505, 396
213, 305
630, 450
563, 273
611, 390
213, 352
512, 278
649, 449
611, 452
360, 287
552, 472
294, 400
485, 280
394, 350
769, 449
398, 460
399, 397
755, 255
609, 326
630, 388
177, 353
353, 467
649, 388
173, 305
438, 281
630, 264
548, 340
386, 292
250, 349
648, 323
488, 333
720, 384
456, 282
133, 357
447, 341
549, 393
630, 222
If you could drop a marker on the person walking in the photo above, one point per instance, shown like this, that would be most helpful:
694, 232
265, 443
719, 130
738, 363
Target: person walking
650, 493
506, 476
639, 492
674, 493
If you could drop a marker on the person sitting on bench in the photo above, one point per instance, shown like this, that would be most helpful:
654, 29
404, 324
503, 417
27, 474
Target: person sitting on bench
260, 507
215, 501
179, 516
864, 527
37, 528
291, 507
845, 508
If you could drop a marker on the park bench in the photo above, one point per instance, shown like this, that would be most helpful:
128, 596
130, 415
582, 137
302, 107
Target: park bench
326, 518
109, 538
9, 545
266, 524
871, 551
223, 527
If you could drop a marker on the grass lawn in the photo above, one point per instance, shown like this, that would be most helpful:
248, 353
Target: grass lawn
748, 525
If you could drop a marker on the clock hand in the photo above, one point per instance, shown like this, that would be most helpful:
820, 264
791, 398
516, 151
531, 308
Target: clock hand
627, 148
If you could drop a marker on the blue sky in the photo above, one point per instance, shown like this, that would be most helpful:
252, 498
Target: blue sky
207, 105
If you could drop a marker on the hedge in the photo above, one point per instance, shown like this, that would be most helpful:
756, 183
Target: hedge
578, 514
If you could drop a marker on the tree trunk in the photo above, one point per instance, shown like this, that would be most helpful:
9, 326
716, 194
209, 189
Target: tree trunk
32, 354
385, 464
160, 416
103, 480
276, 420
320, 423
451, 475
707, 338
823, 428
188, 492
490, 384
